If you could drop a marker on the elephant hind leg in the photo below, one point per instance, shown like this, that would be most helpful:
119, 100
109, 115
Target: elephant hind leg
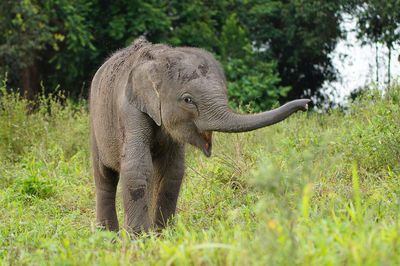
106, 181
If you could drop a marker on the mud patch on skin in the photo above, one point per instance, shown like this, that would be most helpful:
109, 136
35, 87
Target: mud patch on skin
137, 193
203, 69
189, 77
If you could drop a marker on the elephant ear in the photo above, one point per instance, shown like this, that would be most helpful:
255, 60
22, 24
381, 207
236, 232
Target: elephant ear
142, 90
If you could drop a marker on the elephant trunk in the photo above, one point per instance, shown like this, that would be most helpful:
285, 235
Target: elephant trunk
228, 121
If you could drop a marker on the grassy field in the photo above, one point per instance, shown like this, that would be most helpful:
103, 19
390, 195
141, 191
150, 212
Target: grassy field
315, 189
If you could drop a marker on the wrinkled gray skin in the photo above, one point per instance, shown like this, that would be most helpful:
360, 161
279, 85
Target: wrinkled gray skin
146, 102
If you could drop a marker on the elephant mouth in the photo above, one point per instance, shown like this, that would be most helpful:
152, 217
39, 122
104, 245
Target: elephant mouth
207, 135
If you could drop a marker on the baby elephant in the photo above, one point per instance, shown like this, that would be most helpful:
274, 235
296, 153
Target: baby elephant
146, 102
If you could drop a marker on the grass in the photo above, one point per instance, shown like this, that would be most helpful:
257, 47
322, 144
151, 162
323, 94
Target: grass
314, 189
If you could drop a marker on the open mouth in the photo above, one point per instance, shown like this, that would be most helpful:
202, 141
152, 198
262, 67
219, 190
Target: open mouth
208, 145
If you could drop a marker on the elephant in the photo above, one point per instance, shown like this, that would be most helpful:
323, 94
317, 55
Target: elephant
147, 101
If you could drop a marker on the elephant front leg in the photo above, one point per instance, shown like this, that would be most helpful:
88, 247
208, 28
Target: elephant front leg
136, 176
169, 172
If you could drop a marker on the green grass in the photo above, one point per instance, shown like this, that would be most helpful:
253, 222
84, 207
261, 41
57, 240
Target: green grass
315, 189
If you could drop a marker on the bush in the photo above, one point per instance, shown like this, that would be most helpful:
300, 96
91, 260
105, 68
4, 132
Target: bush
330, 181
52, 120
253, 83
314, 189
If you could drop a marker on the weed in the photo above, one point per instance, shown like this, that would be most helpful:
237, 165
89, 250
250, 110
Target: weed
314, 189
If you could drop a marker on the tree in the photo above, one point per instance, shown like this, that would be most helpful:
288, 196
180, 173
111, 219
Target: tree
299, 35
33, 34
379, 22
65, 41
270, 49
292, 37
253, 82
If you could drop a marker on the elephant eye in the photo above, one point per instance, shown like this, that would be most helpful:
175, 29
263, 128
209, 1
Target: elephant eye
188, 100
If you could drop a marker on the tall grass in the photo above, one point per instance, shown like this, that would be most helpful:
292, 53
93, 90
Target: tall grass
314, 189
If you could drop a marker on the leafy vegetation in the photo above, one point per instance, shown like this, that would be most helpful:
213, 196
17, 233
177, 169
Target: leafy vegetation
274, 48
41, 40
379, 22
278, 49
314, 189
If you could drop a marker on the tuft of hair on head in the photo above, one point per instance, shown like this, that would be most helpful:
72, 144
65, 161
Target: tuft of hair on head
139, 43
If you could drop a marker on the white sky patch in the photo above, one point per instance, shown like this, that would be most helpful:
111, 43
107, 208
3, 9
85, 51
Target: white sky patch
356, 64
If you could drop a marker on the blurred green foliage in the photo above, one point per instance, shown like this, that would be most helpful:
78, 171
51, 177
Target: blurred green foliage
271, 50
379, 22
299, 35
45, 40
314, 189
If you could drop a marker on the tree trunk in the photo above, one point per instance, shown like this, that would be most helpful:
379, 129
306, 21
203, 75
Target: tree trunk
30, 81
389, 61
377, 63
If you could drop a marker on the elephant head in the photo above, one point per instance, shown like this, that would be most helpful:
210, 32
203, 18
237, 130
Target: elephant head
184, 91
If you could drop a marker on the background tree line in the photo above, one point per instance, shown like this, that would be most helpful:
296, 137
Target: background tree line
271, 50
